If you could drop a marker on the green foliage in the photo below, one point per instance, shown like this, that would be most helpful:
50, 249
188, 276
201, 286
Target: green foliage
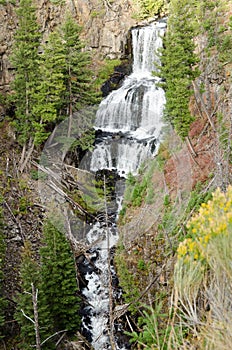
65, 87
58, 275
51, 87
106, 68
79, 90
139, 188
5, 2
197, 197
138, 192
216, 28
95, 13
166, 200
23, 205
30, 273
155, 331
141, 265
78, 76
150, 8
126, 280
203, 270
214, 219
38, 175
55, 280
25, 60
163, 155
131, 179
179, 64
57, 2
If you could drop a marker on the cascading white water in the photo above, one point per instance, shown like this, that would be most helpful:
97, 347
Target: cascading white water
123, 155
131, 116
146, 41
136, 108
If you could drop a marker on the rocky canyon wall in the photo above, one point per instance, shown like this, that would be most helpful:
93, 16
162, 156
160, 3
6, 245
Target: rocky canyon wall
105, 27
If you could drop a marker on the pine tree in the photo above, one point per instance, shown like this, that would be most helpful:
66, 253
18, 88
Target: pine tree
59, 284
30, 274
51, 88
179, 64
79, 92
25, 59
65, 87
78, 76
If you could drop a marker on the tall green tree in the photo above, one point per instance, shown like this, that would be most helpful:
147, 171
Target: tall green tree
25, 59
79, 90
65, 87
59, 285
179, 64
30, 278
78, 75
50, 90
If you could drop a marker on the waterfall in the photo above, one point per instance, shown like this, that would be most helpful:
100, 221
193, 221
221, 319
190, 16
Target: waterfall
135, 109
129, 124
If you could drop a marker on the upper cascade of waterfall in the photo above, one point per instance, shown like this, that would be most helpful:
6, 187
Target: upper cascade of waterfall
145, 42
136, 107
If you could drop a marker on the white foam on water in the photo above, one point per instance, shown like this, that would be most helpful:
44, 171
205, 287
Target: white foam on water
133, 114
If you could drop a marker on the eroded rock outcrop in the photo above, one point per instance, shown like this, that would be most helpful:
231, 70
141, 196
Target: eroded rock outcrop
105, 27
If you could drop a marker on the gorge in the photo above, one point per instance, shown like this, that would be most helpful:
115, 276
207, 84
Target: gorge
115, 222
128, 124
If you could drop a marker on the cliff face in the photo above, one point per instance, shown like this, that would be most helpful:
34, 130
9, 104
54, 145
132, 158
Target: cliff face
105, 27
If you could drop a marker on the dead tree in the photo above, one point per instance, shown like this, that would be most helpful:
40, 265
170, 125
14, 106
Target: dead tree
36, 316
111, 315
35, 321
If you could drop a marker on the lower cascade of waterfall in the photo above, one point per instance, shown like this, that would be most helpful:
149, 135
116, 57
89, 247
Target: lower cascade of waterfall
128, 128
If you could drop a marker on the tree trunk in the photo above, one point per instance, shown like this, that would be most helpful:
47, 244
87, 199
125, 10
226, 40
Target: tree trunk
111, 316
209, 116
29, 153
36, 316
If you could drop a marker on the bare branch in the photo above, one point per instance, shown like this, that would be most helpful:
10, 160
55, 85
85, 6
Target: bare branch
29, 318
15, 220
36, 316
197, 92
53, 335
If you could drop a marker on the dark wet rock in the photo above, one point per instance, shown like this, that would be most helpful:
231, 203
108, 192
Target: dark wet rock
116, 79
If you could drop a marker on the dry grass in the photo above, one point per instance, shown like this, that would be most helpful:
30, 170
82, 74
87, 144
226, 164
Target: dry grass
204, 299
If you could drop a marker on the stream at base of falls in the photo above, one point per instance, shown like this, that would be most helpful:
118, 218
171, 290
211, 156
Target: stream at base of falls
128, 128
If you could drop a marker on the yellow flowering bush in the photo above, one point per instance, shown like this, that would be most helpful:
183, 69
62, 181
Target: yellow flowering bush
214, 219
203, 271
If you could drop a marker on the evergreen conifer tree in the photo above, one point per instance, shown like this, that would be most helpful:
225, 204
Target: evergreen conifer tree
179, 64
25, 59
59, 285
79, 90
78, 75
30, 274
51, 88
65, 86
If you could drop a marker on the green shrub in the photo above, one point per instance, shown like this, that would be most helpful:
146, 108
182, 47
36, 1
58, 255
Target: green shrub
149, 8
105, 70
126, 279
141, 265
